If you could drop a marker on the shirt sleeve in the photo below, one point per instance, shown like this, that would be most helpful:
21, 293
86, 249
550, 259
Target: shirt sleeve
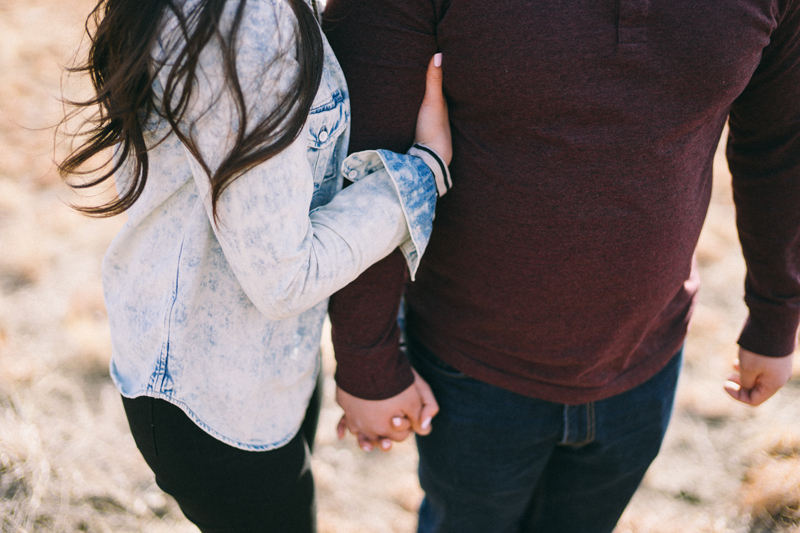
286, 259
764, 158
383, 47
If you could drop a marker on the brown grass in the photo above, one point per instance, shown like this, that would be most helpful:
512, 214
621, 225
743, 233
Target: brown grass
770, 494
68, 463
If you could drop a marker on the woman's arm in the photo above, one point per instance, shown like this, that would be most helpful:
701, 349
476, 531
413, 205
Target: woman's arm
286, 259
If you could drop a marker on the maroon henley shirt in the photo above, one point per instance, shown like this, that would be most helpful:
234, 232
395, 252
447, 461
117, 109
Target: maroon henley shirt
561, 263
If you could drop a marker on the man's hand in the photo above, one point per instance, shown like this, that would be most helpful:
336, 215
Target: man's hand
379, 422
757, 377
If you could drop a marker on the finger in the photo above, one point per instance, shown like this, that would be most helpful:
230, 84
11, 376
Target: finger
371, 439
364, 443
733, 386
734, 389
748, 377
400, 428
400, 423
341, 427
400, 436
433, 126
433, 82
386, 444
413, 410
760, 394
430, 407
736, 365
426, 418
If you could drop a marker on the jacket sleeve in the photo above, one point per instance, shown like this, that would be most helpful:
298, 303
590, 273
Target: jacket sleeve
286, 259
764, 158
384, 48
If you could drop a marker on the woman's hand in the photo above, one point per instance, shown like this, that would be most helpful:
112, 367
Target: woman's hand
376, 423
433, 125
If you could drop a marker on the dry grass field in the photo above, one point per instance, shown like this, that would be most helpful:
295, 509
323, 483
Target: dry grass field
67, 462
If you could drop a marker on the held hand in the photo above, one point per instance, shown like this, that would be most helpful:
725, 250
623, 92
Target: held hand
377, 423
757, 377
433, 124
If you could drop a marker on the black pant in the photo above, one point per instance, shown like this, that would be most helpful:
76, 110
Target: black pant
223, 489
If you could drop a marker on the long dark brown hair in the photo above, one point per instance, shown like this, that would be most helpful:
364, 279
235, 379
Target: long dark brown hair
122, 72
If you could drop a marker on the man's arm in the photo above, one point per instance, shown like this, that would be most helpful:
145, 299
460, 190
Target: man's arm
384, 48
764, 158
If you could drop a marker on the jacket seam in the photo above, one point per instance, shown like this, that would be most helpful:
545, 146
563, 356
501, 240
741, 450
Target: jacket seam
161, 373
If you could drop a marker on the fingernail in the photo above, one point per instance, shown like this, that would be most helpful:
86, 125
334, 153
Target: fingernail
437, 60
396, 421
426, 423
366, 448
385, 444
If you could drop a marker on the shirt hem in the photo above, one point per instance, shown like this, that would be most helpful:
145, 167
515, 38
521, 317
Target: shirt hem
558, 392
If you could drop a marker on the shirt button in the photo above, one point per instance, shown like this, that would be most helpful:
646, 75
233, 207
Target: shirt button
352, 175
323, 136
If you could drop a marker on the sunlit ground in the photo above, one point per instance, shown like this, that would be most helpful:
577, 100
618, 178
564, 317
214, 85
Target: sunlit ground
67, 462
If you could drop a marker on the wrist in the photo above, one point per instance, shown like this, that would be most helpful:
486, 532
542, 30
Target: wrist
377, 381
441, 173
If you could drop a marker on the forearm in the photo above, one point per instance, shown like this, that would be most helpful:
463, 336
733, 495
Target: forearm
764, 158
365, 332
320, 252
383, 48
769, 229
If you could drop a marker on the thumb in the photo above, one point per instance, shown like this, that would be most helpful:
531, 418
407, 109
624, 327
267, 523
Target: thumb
430, 407
733, 386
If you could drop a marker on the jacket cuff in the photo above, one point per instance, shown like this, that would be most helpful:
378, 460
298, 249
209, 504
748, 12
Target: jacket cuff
441, 173
769, 333
416, 188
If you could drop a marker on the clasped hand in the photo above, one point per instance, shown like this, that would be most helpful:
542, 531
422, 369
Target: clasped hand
376, 423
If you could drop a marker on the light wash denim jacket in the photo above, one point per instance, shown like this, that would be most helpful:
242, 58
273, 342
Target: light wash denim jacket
224, 320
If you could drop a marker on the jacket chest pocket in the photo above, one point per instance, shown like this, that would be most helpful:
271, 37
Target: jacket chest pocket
326, 122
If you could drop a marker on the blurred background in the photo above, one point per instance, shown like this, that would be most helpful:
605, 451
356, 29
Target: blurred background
68, 463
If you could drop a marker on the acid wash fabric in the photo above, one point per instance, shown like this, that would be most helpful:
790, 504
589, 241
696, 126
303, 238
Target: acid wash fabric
224, 320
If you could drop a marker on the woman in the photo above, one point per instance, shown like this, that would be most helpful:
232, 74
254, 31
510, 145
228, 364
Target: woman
229, 122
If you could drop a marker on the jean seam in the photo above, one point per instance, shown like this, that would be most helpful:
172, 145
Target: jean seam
591, 427
153, 426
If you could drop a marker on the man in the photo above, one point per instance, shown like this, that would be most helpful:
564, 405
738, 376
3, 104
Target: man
550, 308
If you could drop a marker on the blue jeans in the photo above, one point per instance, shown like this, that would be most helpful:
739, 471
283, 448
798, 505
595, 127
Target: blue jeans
500, 462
